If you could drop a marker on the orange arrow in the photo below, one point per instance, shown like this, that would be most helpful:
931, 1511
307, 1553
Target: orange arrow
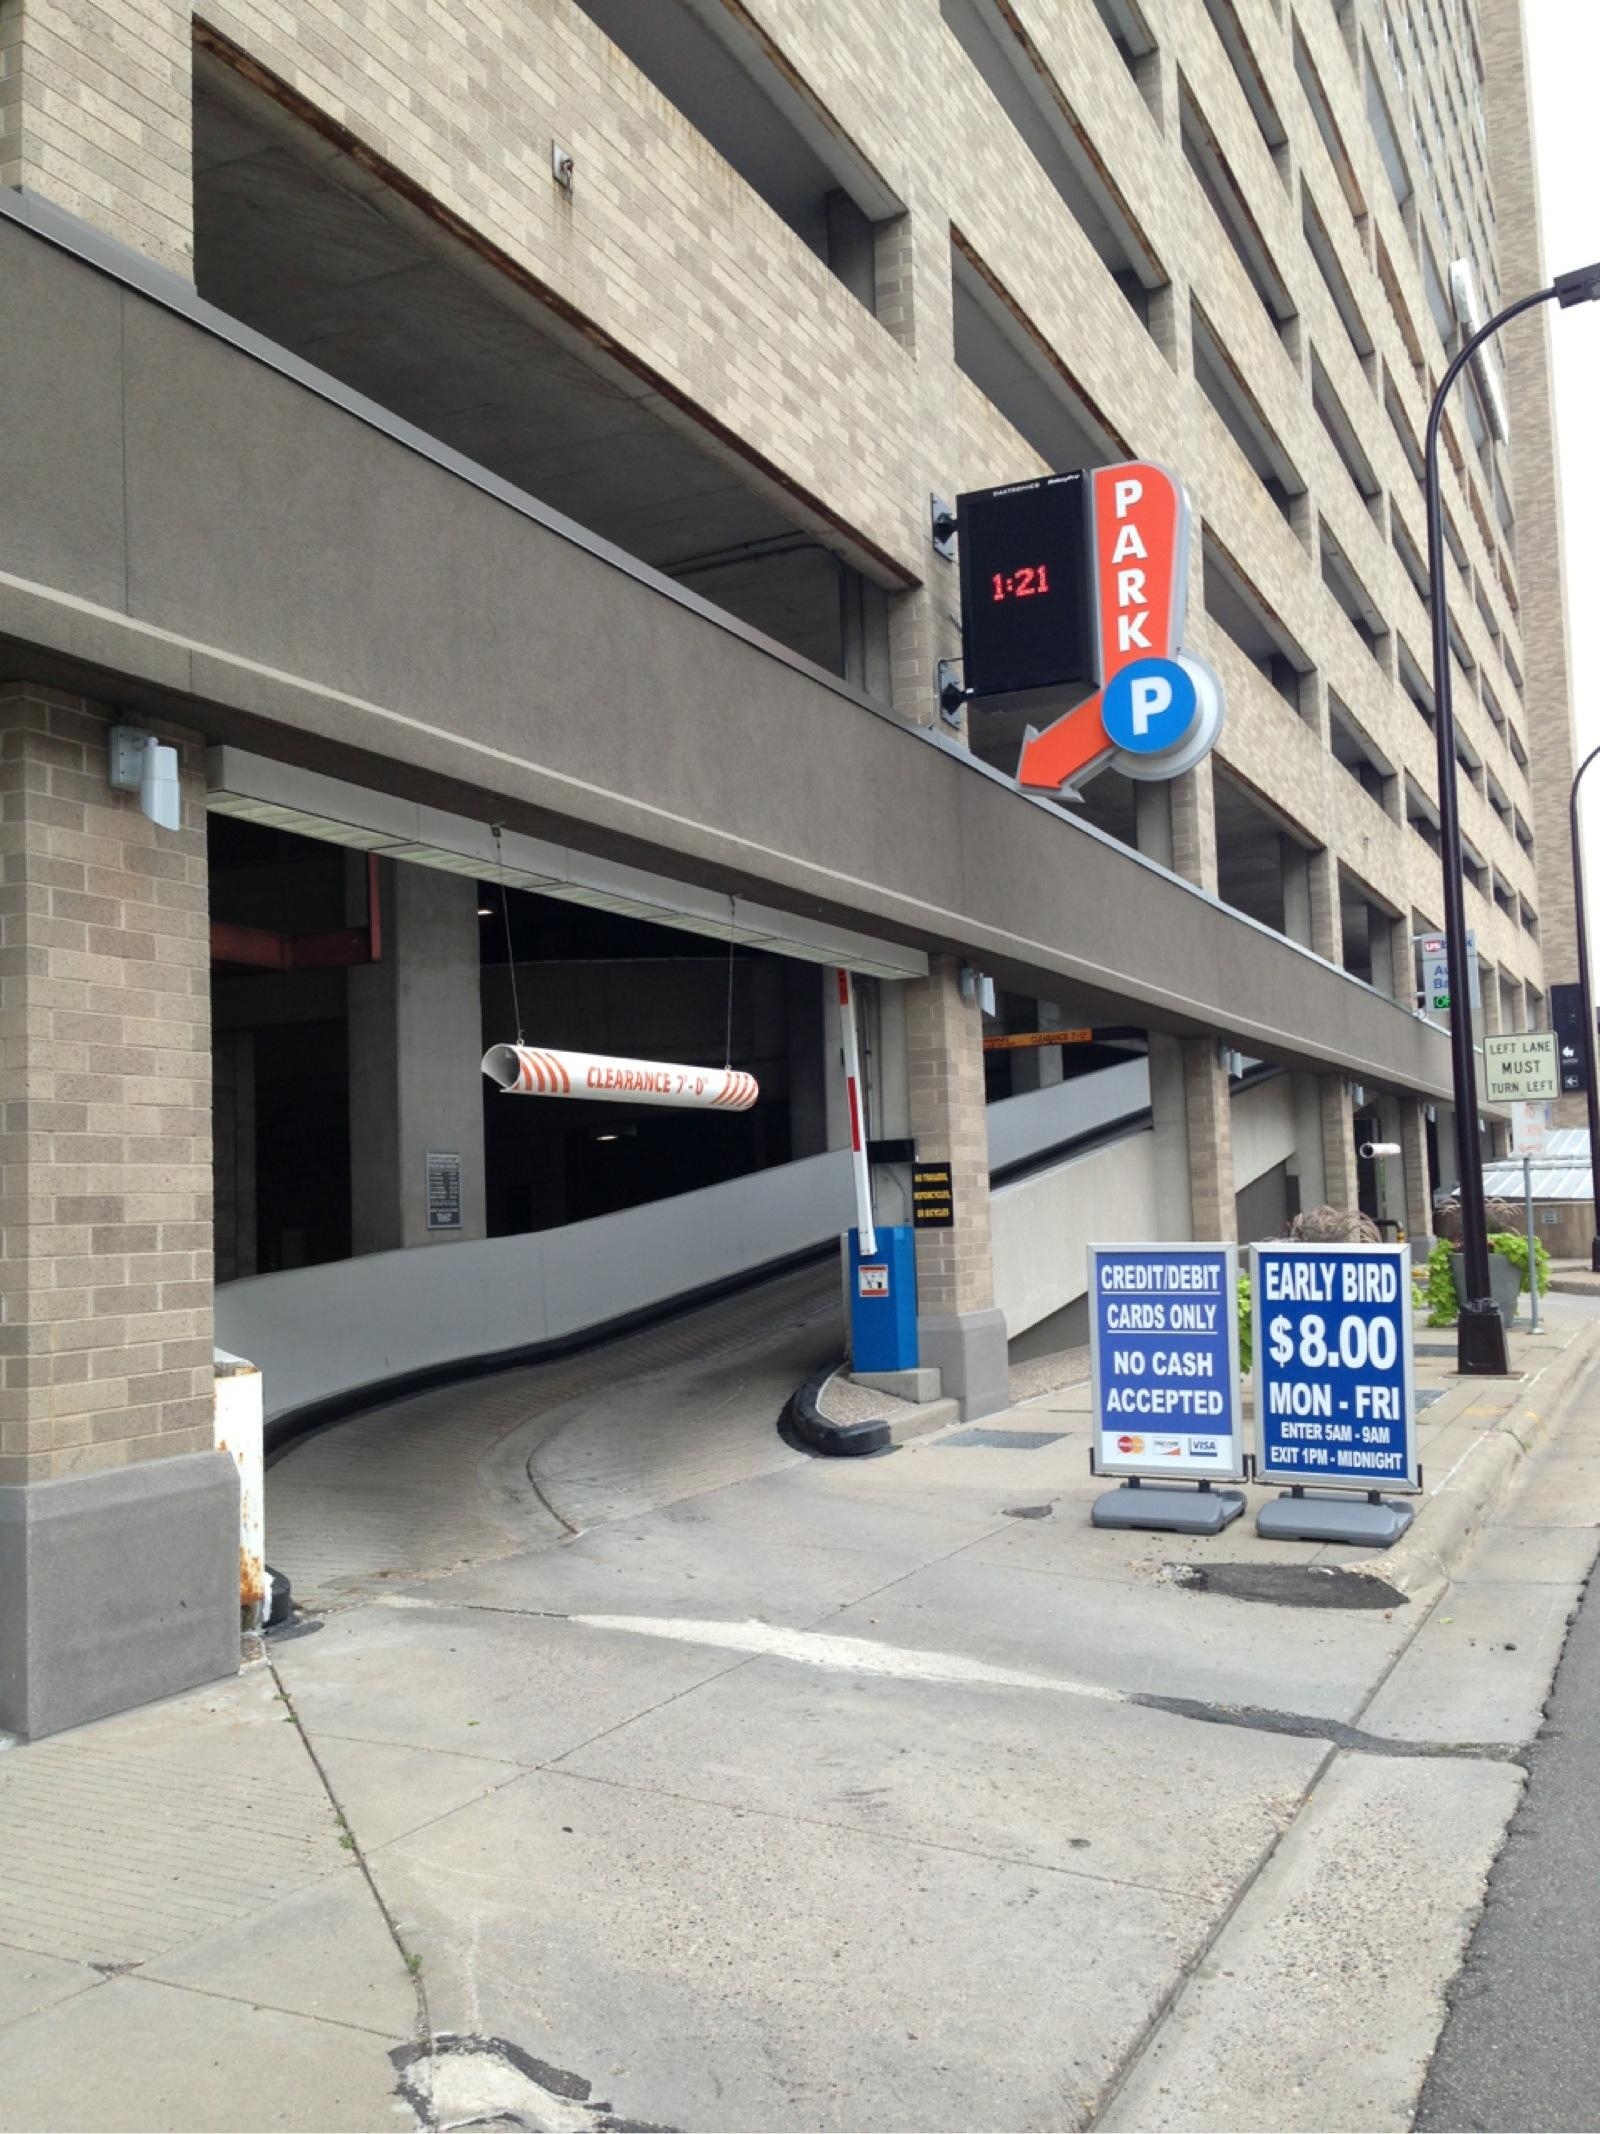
1064, 749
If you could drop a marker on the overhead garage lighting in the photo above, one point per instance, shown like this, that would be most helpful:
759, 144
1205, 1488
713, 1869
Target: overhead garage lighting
282, 796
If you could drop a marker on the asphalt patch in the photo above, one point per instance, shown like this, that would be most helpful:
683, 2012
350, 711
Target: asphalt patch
1288, 1585
1304, 1726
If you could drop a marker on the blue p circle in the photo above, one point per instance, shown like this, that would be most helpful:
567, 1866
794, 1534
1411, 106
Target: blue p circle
1150, 707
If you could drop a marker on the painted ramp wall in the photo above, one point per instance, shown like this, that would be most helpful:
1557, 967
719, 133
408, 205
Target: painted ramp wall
319, 1333
1041, 1225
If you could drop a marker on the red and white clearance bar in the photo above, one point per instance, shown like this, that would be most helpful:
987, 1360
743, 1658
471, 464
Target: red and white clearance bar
541, 1071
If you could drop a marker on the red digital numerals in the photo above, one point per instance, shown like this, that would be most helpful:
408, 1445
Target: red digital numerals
1021, 584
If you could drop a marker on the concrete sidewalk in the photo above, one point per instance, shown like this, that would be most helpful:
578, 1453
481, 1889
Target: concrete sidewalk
878, 1794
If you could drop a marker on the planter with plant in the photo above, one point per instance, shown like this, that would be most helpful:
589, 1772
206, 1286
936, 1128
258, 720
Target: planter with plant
1508, 1248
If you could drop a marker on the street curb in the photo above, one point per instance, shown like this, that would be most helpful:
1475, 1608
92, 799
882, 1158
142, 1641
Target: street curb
1453, 1512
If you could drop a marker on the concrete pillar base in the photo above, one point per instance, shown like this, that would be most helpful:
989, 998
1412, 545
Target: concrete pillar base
116, 1588
969, 1351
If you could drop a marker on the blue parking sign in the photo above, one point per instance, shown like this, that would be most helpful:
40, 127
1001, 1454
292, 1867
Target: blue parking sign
1335, 1405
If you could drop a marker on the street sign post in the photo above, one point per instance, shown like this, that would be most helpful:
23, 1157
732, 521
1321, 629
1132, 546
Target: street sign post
1335, 1404
1164, 1368
1524, 1068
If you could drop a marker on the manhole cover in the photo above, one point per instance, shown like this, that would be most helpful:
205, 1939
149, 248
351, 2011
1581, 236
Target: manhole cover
1008, 1440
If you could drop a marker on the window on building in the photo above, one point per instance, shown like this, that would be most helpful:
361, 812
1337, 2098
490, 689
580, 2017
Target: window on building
1354, 748
1129, 32
1261, 858
1247, 72
758, 116
1367, 938
1414, 683
1015, 368
1033, 100
1357, 604
1334, 278
1321, 110
1399, 422
1422, 815
1224, 385
1229, 205
1236, 607
1344, 435
1386, 136
1410, 555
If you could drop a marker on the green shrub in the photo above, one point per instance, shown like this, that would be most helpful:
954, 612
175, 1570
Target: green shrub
1443, 1308
1514, 1244
1246, 1343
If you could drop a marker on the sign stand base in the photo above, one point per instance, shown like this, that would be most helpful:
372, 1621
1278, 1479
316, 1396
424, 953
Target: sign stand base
1372, 1521
1168, 1508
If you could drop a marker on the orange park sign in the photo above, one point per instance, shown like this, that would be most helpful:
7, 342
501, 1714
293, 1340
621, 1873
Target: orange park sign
1156, 710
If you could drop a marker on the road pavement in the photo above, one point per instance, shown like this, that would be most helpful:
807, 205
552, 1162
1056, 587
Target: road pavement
1521, 2049
637, 1770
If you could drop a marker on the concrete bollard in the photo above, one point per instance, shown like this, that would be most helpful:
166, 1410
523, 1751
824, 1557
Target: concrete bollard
238, 1410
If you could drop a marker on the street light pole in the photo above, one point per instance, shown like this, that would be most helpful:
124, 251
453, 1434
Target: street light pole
1480, 1331
1585, 994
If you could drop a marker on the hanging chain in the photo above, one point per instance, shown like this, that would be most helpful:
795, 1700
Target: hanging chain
505, 913
733, 906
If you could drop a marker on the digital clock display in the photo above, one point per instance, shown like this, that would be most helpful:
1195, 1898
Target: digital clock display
1023, 583
1025, 588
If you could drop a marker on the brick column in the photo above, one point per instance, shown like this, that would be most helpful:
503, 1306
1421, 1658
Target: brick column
960, 1332
1414, 1164
1194, 827
1208, 1115
1327, 932
118, 1521
1338, 1143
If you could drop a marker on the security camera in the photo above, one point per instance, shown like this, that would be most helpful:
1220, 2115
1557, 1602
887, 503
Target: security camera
1380, 1148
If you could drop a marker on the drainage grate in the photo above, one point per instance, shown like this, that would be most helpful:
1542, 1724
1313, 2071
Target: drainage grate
1008, 1440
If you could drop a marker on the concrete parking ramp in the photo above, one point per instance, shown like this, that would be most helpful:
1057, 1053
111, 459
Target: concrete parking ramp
331, 1338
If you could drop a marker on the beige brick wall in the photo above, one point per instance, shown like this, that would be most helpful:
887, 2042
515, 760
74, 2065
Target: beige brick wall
105, 1201
853, 419
94, 114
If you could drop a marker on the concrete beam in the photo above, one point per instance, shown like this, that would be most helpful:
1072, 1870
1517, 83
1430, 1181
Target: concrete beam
201, 523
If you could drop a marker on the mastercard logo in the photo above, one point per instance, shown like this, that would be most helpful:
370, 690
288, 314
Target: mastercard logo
1130, 1444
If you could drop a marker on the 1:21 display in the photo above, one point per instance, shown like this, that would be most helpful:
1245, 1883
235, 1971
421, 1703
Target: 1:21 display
1021, 584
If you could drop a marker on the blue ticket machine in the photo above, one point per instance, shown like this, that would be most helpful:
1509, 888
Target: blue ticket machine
883, 1301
